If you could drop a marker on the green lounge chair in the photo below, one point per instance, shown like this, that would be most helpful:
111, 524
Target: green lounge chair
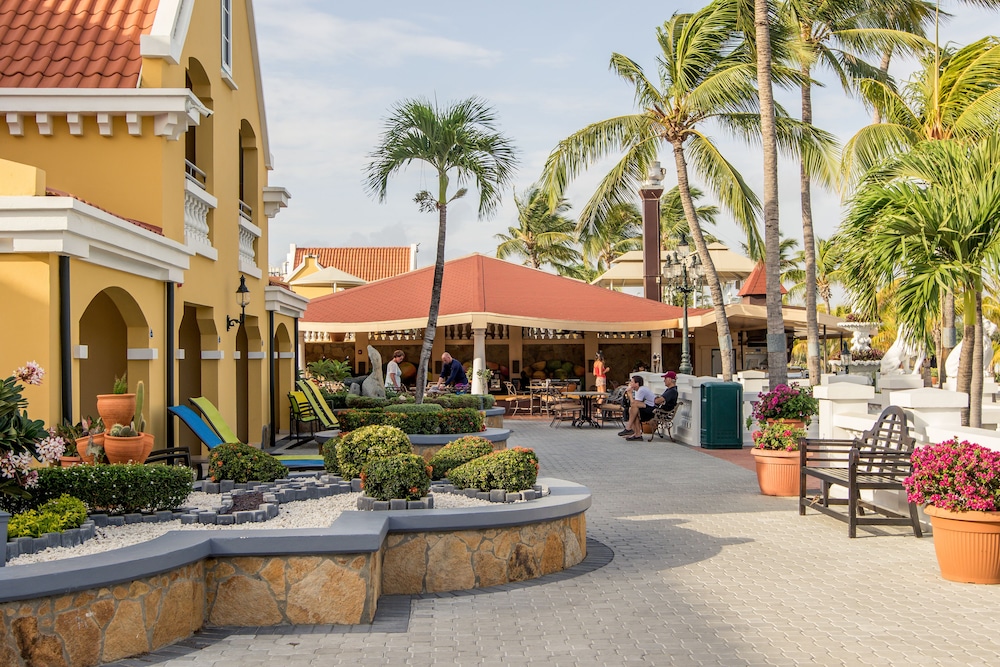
214, 419
318, 404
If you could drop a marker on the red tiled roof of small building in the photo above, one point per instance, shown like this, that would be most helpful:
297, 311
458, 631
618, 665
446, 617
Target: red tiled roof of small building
756, 282
72, 43
369, 264
481, 284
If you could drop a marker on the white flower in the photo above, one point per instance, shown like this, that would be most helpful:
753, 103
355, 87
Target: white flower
51, 448
30, 373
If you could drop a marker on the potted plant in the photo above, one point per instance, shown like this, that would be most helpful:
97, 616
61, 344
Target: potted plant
776, 455
122, 444
118, 406
22, 440
960, 484
794, 405
69, 433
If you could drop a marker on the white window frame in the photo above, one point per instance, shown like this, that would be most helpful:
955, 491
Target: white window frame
226, 36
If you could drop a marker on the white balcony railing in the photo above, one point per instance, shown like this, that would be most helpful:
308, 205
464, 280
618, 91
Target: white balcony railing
197, 204
249, 233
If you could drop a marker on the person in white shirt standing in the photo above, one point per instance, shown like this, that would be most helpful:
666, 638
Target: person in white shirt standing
393, 376
640, 408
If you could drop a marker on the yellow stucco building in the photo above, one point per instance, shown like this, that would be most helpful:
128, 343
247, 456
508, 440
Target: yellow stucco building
134, 202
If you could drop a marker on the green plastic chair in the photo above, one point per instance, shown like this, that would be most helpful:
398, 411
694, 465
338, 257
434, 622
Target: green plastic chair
214, 419
318, 404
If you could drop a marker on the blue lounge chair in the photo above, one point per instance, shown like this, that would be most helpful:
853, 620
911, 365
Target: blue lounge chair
211, 439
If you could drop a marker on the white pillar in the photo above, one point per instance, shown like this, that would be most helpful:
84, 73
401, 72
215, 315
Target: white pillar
841, 398
478, 361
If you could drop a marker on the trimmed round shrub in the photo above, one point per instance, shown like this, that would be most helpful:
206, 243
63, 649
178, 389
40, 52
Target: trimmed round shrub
54, 516
457, 452
115, 489
243, 463
366, 443
415, 408
404, 476
329, 451
509, 469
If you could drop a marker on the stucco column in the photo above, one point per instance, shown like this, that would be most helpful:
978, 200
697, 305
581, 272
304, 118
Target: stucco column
591, 347
478, 360
841, 398
931, 407
361, 352
656, 349
515, 349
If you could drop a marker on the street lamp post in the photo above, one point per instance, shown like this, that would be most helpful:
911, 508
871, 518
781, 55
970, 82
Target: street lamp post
677, 262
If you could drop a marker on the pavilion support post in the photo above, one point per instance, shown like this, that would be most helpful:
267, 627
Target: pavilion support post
650, 191
478, 360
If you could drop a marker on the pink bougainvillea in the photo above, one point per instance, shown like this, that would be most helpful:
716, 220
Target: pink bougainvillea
957, 476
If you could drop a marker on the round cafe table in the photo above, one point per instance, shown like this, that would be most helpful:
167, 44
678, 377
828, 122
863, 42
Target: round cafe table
587, 406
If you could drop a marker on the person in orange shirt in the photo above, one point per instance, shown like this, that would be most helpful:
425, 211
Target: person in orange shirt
601, 373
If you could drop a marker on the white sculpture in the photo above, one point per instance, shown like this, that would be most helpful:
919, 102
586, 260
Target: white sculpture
951, 363
904, 355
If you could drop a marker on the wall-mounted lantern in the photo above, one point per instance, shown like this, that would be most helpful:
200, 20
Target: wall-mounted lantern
243, 299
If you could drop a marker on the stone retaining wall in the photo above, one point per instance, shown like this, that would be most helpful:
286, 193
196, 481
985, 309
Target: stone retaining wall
100, 608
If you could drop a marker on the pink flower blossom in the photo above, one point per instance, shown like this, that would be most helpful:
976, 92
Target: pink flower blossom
30, 373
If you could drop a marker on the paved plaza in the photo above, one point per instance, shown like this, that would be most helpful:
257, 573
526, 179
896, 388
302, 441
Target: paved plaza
688, 565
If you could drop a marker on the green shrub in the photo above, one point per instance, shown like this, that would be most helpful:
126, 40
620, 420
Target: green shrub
243, 463
400, 476
355, 401
463, 420
116, 489
337, 400
509, 469
53, 516
414, 408
354, 419
329, 451
369, 442
457, 452
455, 401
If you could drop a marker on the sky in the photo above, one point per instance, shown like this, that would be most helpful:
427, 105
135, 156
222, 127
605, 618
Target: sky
332, 71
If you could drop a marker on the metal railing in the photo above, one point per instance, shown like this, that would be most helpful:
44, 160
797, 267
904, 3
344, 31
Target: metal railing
195, 174
246, 211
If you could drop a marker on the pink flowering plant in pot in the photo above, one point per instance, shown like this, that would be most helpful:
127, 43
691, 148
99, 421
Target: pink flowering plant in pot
955, 476
784, 402
778, 436
23, 440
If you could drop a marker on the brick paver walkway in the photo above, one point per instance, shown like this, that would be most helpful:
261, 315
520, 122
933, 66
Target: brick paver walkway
705, 571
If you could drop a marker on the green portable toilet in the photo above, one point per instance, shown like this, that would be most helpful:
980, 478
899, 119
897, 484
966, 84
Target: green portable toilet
722, 415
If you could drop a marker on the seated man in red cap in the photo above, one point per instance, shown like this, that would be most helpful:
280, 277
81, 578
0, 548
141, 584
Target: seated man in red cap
668, 399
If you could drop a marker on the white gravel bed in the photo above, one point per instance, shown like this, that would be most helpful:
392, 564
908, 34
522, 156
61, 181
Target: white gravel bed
316, 513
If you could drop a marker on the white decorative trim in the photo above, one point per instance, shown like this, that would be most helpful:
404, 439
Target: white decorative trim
104, 124
227, 78
173, 109
141, 353
256, 355
81, 352
237, 355
75, 122
67, 226
168, 32
213, 354
275, 199
284, 301
179, 354
249, 233
286, 355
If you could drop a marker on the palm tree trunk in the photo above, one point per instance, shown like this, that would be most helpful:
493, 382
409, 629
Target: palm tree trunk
964, 380
947, 331
809, 246
976, 386
777, 360
432, 314
711, 275
884, 66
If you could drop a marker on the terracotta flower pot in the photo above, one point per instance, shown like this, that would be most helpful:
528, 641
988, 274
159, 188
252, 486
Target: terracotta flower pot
147, 444
125, 450
777, 471
967, 545
84, 442
116, 409
68, 461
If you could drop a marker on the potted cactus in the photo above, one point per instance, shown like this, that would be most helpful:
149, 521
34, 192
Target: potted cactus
118, 406
122, 444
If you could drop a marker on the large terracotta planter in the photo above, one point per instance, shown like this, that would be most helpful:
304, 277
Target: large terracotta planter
126, 450
84, 442
777, 471
69, 461
967, 545
116, 409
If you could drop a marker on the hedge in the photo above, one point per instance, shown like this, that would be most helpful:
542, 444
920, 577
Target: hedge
465, 420
403, 476
243, 463
509, 469
370, 442
458, 452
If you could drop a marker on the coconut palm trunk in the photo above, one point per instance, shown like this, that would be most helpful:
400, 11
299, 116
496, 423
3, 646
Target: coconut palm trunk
711, 275
809, 246
976, 384
777, 364
427, 348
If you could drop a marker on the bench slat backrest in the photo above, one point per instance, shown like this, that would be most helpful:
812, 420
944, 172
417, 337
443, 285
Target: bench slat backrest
881, 445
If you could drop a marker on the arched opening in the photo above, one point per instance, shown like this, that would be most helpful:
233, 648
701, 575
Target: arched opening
199, 138
189, 370
248, 171
284, 375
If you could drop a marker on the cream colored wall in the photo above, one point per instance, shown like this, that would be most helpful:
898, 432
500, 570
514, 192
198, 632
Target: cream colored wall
311, 292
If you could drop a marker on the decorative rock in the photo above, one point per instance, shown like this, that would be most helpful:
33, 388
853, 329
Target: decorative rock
26, 545
212, 487
416, 504
226, 485
13, 549
529, 494
165, 515
189, 519
226, 520
483, 495
208, 517
380, 505
243, 517
397, 504
150, 518
498, 495
133, 517
471, 493
512, 497
116, 521
259, 515
356, 485
99, 520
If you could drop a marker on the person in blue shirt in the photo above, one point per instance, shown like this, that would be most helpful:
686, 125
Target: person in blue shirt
452, 372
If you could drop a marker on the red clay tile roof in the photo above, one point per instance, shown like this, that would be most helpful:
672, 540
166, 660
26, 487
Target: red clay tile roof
756, 282
52, 192
72, 43
369, 264
481, 284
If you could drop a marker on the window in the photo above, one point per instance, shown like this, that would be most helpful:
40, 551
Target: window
227, 36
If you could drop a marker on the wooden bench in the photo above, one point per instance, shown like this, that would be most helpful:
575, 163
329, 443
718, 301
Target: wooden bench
878, 460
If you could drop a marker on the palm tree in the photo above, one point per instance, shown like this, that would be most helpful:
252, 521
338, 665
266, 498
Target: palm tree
705, 74
828, 272
544, 235
954, 96
460, 139
620, 231
673, 223
927, 218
